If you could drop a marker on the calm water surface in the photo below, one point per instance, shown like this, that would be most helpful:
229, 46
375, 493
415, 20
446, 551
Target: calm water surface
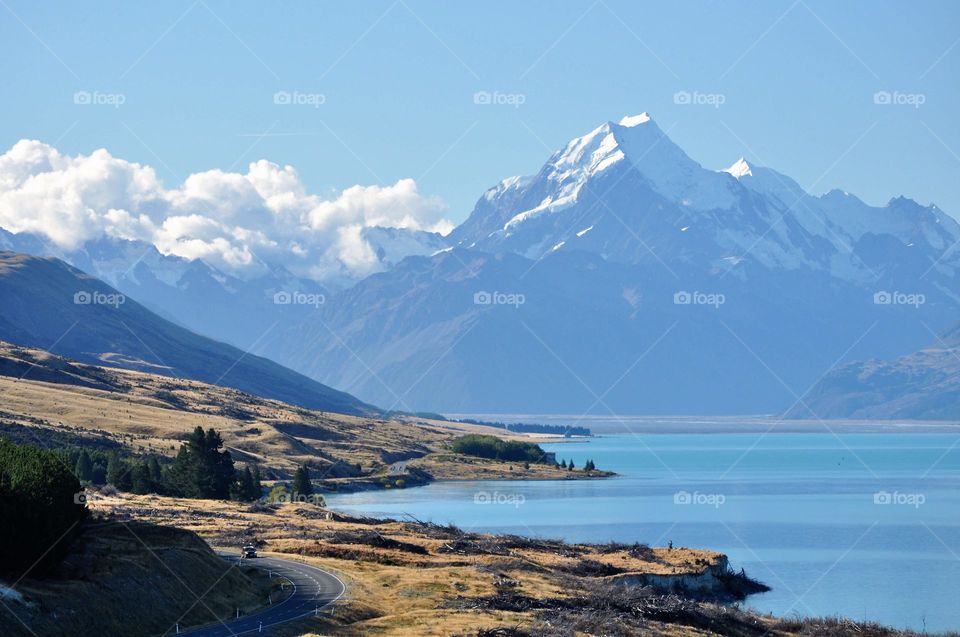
861, 525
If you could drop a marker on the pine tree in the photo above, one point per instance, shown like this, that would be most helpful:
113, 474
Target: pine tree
256, 480
84, 468
570, 466
302, 487
155, 473
563, 464
245, 490
115, 470
140, 479
201, 470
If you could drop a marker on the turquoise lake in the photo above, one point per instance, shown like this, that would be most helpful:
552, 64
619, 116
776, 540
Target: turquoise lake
862, 525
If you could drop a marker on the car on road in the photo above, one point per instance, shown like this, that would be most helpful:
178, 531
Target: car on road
248, 551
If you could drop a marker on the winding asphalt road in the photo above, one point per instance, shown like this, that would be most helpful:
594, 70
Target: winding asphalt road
313, 589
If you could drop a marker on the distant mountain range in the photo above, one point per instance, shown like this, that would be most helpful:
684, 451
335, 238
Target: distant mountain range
621, 277
649, 284
924, 385
50, 305
205, 299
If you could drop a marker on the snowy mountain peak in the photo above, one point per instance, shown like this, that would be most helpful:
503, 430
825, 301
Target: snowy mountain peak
740, 168
636, 142
629, 121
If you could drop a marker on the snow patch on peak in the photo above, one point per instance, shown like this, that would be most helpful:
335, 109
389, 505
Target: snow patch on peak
740, 168
504, 185
569, 169
630, 121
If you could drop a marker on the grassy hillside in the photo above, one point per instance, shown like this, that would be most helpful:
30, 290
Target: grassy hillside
48, 304
51, 401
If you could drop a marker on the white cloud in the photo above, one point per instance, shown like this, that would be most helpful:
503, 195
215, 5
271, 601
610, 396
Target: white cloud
234, 221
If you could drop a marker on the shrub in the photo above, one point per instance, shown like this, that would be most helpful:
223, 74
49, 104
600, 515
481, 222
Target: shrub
278, 495
41, 507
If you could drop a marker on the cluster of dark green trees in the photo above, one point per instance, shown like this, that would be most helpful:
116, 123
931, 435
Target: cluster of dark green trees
201, 469
41, 507
497, 449
588, 465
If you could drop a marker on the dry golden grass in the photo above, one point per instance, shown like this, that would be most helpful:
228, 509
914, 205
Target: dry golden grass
149, 413
396, 592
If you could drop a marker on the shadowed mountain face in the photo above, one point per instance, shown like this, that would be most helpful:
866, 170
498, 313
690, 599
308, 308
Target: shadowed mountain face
924, 385
50, 305
649, 284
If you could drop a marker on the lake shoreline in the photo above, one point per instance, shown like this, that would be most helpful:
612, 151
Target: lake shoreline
806, 513
653, 425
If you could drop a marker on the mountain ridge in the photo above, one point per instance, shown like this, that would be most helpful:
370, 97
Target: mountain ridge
924, 385
51, 305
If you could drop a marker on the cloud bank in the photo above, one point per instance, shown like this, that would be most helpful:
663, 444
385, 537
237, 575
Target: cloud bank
234, 221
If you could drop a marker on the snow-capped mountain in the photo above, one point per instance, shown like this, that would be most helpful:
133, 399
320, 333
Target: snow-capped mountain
627, 192
649, 284
392, 245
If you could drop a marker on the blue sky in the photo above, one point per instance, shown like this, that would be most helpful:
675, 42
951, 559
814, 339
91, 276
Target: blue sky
397, 79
